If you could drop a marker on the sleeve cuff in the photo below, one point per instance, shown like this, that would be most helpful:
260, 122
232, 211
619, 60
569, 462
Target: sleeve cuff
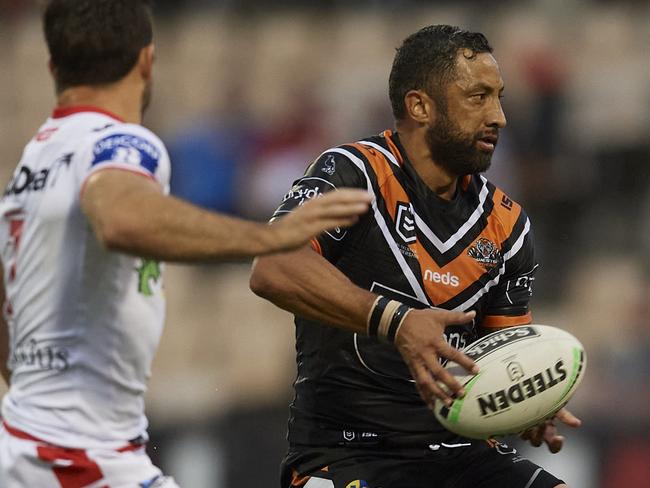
501, 321
120, 167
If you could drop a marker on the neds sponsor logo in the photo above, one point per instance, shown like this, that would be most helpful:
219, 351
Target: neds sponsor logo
442, 278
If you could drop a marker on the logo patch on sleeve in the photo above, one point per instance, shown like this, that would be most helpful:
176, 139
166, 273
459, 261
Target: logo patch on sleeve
126, 149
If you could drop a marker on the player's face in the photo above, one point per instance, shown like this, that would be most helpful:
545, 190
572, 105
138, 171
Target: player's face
466, 127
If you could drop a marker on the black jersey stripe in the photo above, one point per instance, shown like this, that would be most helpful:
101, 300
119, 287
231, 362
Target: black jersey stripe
442, 252
472, 294
469, 236
483, 210
486, 193
410, 268
382, 205
485, 203
384, 149
517, 229
476, 290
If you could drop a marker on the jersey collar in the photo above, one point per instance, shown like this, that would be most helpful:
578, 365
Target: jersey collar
60, 112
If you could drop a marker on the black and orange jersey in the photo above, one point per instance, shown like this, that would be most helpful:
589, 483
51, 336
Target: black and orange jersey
474, 252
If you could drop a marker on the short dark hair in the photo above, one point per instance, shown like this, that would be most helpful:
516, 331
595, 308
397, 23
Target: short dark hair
426, 60
95, 42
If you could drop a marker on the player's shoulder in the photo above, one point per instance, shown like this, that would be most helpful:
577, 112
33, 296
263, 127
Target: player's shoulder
370, 148
126, 134
341, 162
506, 209
126, 143
357, 156
357, 150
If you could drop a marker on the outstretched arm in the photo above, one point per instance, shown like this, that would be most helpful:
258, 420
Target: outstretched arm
307, 285
130, 214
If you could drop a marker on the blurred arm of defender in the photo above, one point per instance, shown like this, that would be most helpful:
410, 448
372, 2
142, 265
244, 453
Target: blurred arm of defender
130, 214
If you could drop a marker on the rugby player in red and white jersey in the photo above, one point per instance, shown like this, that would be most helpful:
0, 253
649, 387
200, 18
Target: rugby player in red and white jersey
84, 223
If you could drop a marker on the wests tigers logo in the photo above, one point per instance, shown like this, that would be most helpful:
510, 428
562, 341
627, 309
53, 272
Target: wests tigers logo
486, 253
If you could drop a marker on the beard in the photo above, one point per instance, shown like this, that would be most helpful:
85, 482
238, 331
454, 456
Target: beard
455, 151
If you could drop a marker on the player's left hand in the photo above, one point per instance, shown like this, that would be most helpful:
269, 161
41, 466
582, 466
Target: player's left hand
547, 431
336, 209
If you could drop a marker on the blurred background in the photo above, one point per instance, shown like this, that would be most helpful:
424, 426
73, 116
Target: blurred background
249, 92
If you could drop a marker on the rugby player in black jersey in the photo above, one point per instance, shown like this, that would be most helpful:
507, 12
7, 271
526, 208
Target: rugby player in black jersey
368, 299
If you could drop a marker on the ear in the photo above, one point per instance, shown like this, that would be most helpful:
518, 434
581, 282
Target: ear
51, 68
419, 106
145, 61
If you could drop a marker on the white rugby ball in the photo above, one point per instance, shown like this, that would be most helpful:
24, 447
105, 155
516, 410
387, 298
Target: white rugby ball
527, 374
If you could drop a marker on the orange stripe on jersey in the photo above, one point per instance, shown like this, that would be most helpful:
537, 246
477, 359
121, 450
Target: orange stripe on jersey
315, 245
387, 134
501, 321
464, 268
507, 210
442, 284
391, 190
456, 276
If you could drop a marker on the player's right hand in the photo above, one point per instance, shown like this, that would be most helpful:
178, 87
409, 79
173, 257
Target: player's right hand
420, 341
546, 432
334, 210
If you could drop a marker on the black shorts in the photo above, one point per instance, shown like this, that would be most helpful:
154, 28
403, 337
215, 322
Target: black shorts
480, 465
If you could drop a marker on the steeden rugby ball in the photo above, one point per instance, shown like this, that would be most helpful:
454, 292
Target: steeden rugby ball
527, 374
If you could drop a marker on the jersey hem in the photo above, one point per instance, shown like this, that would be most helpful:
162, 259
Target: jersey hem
67, 438
501, 321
